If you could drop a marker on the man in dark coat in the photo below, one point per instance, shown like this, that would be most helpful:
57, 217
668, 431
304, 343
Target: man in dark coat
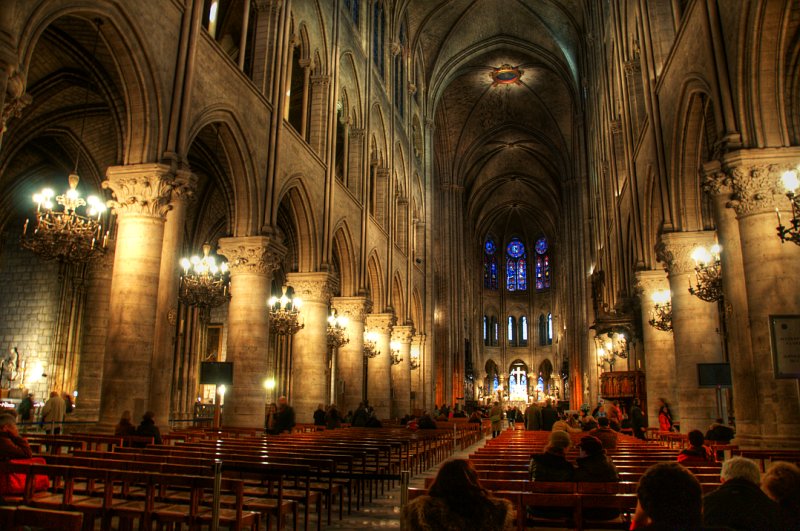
284, 419
593, 464
638, 420
606, 435
739, 503
361, 416
533, 417
549, 415
148, 428
552, 465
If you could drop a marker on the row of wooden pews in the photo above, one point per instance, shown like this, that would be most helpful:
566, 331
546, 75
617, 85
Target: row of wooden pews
265, 478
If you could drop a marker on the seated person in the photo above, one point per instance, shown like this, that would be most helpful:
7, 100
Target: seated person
475, 417
697, 453
425, 422
588, 423
552, 465
606, 435
782, 484
563, 424
669, 498
593, 464
12, 446
719, 432
739, 503
148, 428
456, 501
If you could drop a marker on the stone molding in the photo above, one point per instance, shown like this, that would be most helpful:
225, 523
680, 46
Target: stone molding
715, 180
382, 172
650, 281
757, 189
381, 323
252, 254
430, 124
141, 189
632, 67
185, 186
16, 96
354, 308
402, 333
320, 80
313, 287
356, 132
674, 249
418, 339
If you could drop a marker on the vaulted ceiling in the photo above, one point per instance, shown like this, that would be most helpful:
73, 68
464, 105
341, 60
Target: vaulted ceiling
511, 146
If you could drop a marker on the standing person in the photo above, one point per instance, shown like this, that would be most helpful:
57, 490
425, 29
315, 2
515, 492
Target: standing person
284, 420
533, 417
148, 428
549, 415
456, 501
614, 414
511, 415
664, 415
53, 413
496, 416
269, 417
319, 416
638, 420
25, 410
68, 403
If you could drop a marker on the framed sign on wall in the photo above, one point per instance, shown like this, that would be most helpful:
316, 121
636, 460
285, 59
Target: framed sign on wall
784, 334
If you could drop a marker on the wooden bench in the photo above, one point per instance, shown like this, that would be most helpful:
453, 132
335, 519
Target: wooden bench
21, 518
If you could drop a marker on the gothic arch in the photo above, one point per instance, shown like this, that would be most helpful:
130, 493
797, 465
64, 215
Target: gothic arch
375, 282
295, 198
398, 300
349, 79
143, 129
345, 252
417, 316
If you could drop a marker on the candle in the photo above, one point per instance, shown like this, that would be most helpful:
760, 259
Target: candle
778, 213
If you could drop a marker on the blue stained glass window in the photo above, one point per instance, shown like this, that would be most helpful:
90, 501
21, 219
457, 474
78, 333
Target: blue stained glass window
511, 275
546, 272
541, 245
493, 274
539, 273
515, 248
495, 384
522, 281
489, 264
516, 266
489, 247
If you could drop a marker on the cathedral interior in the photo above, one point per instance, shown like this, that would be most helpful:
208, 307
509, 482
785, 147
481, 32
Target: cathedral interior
493, 200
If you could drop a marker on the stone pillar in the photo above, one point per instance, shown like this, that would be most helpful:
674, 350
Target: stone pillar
659, 347
737, 323
379, 368
770, 271
401, 373
350, 359
417, 353
252, 261
164, 351
142, 194
310, 344
320, 85
695, 328
354, 156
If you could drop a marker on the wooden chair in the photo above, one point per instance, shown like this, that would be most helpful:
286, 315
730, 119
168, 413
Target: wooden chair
22, 517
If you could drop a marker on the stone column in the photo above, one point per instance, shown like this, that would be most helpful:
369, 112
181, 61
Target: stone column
737, 326
310, 345
142, 193
417, 350
161, 367
379, 368
354, 156
770, 271
401, 373
252, 261
695, 327
659, 347
350, 359
320, 85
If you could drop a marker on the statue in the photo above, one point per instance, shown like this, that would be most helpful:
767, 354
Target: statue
9, 368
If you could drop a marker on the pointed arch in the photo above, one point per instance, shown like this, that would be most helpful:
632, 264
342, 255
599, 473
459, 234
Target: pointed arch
344, 251
375, 282
295, 201
398, 298
416, 311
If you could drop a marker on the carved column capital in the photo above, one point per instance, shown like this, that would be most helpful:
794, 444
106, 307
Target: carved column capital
320, 80
356, 132
16, 97
757, 188
402, 333
382, 172
715, 180
252, 254
651, 281
675, 249
354, 308
185, 186
141, 189
418, 340
313, 287
381, 323
430, 124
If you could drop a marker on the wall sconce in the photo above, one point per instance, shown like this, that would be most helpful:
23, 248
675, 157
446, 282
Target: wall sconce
661, 313
708, 273
395, 348
790, 183
371, 345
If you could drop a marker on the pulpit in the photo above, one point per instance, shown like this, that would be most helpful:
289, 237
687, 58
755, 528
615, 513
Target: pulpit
624, 386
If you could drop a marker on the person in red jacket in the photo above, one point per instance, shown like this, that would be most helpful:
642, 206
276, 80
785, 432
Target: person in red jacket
12, 446
697, 453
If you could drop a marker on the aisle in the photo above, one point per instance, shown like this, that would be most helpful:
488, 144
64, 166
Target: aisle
384, 510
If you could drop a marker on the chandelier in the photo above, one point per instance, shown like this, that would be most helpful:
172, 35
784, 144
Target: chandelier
335, 331
708, 273
204, 283
414, 363
284, 313
371, 345
394, 346
791, 233
66, 234
661, 313
611, 346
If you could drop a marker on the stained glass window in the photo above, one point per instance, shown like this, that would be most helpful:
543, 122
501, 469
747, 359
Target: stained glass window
512, 336
516, 266
485, 330
542, 264
541, 246
495, 384
489, 264
523, 331
549, 328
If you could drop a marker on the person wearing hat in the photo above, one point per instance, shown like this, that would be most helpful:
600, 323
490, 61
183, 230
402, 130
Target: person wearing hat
552, 465
593, 464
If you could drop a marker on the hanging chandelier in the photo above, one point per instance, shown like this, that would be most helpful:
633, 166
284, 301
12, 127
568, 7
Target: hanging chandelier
414, 363
335, 331
708, 273
661, 313
371, 345
394, 346
65, 233
791, 233
204, 284
611, 346
284, 314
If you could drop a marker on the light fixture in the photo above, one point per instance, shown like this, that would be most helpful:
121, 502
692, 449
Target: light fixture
203, 282
336, 329
414, 363
611, 346
661, 313
284, 313
708, 273
394, 346
68, 235
269, 384
371, 345
790, 183
506, 75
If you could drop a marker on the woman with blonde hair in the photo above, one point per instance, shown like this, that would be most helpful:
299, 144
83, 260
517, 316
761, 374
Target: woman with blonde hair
457, 501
